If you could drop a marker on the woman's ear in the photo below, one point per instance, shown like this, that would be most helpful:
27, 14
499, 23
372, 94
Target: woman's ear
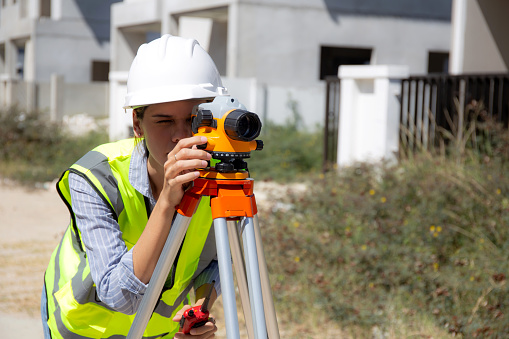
138, 131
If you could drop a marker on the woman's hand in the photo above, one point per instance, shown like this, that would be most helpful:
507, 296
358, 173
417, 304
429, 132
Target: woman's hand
203, 332
180, 167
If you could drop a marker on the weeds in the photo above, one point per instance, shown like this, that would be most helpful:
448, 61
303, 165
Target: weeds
420, 248
37, 150
290, 151
427, 236
431, 234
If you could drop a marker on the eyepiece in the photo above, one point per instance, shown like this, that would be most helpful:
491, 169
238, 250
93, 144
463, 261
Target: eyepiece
242, 125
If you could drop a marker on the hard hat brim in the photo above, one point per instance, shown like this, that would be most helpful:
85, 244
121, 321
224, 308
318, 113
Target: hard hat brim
172, 93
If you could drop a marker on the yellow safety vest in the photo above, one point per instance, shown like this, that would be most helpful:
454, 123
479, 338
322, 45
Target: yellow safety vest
74, 310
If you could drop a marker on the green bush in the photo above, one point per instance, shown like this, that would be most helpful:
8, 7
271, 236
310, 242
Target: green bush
37, 150
291, 151
288, 154
430, 233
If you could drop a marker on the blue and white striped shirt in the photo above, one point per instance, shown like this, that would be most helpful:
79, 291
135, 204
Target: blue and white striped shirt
111, 264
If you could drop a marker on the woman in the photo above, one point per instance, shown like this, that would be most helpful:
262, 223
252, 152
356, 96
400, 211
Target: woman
122, 198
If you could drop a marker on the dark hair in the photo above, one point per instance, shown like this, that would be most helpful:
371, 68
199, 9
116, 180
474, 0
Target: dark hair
140, 112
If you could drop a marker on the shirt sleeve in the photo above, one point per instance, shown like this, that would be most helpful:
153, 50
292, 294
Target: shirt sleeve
111, 264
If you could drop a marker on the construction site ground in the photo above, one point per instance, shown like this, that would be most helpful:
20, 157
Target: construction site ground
32, 222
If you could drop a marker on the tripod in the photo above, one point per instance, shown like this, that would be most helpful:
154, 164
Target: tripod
234, 211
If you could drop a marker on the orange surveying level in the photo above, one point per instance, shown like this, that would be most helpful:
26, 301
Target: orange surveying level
230, 139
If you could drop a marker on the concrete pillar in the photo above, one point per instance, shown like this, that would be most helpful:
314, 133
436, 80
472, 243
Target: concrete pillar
29, 76
369, 114
233, 40
31, 95
120, 120
10, 89
169, 23
11, 59
29, 62
56, 97
458, 22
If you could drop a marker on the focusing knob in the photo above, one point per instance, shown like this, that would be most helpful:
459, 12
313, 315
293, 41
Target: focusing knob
224, 167
259, 145
203, 117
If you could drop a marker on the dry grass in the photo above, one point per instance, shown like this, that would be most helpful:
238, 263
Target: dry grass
22, 267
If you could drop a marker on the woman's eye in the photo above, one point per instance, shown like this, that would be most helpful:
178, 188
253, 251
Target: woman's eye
165, 122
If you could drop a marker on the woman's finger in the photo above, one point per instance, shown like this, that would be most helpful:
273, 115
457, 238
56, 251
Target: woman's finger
183, 167
179, 314
184, 178
208, 328
189, 143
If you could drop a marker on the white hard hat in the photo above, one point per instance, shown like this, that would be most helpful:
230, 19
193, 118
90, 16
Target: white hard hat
171, 68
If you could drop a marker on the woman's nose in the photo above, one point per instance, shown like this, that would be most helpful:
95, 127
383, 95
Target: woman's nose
182, 131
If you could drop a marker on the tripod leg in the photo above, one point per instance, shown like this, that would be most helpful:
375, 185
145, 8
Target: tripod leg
240, 272
161, 271
226, 275
254, 279
268, 301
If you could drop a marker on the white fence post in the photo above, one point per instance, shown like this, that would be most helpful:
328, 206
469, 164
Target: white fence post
369, 112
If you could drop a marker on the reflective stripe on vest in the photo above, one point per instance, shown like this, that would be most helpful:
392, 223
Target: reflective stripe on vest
74, 309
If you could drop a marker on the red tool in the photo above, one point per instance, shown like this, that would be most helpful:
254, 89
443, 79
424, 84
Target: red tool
196, 316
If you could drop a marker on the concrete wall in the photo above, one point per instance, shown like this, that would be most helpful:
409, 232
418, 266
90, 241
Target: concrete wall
486, 42
269, 50
272, 103
65, 61
281, 44
277, 103
76, 33
91, 99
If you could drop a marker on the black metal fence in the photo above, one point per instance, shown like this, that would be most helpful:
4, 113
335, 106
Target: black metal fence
430, 105
330, 144
435, 103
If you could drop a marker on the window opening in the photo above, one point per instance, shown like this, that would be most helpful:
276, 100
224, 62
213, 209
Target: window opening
333, 57
45, 8
438, 62
20, 63
100, 70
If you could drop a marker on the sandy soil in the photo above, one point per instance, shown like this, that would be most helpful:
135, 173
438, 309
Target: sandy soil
31, 224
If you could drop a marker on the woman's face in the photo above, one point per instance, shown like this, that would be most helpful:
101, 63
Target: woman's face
163, 125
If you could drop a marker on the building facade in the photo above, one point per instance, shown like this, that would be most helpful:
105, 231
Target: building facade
64, 39
275, 54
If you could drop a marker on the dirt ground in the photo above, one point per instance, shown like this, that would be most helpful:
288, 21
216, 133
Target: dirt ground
32, 222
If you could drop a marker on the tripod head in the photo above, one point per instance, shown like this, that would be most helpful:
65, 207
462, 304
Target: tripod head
231, 136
